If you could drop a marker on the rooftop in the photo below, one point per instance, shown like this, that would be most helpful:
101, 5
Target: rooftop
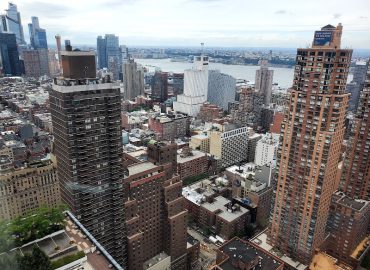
220, 205
155, 260
261, 241
323, 261
237, 249
140, 167
195, 155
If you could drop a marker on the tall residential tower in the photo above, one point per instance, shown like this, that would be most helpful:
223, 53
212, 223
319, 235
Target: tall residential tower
88, 146
309, 150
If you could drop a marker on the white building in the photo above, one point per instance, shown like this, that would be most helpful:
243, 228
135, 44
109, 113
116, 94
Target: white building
266, 149
263, 83
195, 88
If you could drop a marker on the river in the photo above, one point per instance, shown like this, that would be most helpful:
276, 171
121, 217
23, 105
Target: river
282, 76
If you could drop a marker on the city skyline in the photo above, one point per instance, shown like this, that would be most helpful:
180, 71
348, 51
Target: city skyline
164, 23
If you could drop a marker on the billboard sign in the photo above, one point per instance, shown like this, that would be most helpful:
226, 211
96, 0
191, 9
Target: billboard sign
323, 38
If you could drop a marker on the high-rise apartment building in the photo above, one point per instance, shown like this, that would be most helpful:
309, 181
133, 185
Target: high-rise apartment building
13, 23
88, 146
9, 62
355, 180
37, 35
195, 88
309, 150
263, 83
156, 218
221, 89
133, 80
159, 86
36, 62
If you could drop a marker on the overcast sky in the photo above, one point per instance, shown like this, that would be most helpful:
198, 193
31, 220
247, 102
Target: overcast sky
235, 23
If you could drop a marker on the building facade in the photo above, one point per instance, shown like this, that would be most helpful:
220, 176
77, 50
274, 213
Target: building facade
309, 150
266, 149
159, 86
357, 84
355, 181
88, 148
221, 89
133, 80
10, 63
26, 189
36, 63
263, 82
156, 218
229, 146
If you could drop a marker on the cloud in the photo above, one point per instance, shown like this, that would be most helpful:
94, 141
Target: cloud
51, 10
337, 15
282, 11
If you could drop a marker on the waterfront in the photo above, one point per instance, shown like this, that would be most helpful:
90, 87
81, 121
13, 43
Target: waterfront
282, 76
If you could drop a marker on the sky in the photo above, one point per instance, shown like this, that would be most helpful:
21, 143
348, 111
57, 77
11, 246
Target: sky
217, 23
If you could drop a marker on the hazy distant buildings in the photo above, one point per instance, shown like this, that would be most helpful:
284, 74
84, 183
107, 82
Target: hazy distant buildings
133, 80
195, 88
36, 62
88, 146
12, 23
309, 152
37, 35
221, 89
263, 83
10, 63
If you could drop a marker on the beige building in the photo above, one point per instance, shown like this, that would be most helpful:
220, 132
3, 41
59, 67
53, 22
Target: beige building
228, 144
200, 142
24, 189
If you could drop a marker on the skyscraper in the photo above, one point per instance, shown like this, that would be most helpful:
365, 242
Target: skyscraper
159, 86
9, 60
37, 35
195, 88
309, 150
221, 89
101, 49
14, 23
263, 83
355, 180
88, 147
357, 84
133, 79
109, 54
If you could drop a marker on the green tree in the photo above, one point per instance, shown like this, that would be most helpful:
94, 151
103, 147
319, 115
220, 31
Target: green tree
37, 260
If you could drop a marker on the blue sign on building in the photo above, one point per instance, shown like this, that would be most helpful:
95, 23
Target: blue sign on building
323, 38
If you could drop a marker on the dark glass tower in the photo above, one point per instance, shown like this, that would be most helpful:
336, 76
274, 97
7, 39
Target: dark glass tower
88, 146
